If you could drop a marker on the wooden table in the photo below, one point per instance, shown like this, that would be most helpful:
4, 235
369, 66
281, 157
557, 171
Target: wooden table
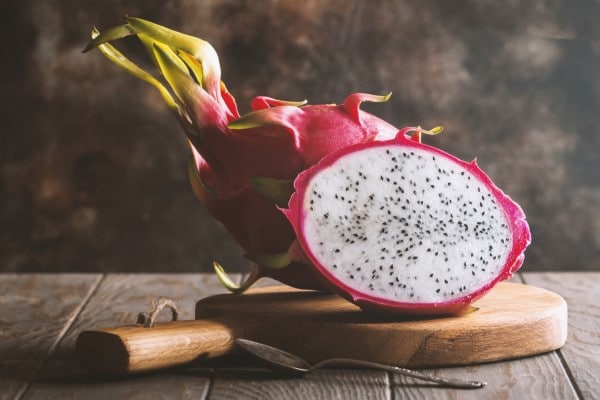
42, 314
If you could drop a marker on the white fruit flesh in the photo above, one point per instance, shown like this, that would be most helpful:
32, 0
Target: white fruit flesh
404, 224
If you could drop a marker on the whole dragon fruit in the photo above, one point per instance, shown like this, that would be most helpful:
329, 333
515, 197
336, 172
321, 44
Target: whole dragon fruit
402, 227
242, 166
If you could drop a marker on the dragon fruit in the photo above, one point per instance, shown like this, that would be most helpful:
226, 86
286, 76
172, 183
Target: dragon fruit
390, 223
242, 166
402, 227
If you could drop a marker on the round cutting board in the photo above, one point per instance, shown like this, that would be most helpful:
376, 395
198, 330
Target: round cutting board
512, 320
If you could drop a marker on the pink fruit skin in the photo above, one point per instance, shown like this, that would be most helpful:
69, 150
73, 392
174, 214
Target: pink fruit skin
521, 235
280, 142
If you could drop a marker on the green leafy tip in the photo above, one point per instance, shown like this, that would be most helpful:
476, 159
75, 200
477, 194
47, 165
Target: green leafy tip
271, 261
177, 40
352, 103
186, 63
419, 131
279, 260
196, 182
263, 102
263, 117
433, 131
100, 40
275, 190
469, 310
117, 32
231, 285
197, 49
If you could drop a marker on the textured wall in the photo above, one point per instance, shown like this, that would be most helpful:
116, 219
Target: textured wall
93, 168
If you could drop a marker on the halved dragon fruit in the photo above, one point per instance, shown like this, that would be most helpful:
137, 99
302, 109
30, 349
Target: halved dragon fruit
403, 227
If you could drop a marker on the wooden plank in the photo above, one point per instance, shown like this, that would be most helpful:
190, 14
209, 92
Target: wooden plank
117, 301
36, 309
322, 384
582, 350
120, 297
539, 377
533, 377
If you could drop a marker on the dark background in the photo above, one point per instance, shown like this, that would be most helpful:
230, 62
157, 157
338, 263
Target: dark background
93, 167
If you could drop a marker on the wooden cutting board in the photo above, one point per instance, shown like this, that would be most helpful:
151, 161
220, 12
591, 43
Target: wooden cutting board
513, 320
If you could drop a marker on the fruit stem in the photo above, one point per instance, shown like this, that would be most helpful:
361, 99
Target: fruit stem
230, 284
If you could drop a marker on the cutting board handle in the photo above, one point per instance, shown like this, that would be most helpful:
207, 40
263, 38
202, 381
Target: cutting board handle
132, 349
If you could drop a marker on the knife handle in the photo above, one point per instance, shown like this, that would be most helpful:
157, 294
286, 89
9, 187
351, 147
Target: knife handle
131, 349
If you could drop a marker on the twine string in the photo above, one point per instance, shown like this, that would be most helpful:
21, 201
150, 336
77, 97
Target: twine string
148, 319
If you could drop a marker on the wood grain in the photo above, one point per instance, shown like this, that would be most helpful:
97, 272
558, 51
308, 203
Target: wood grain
582, 350
35, 311
130, 349
538, 377
117, 301
324, 384
279, 316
